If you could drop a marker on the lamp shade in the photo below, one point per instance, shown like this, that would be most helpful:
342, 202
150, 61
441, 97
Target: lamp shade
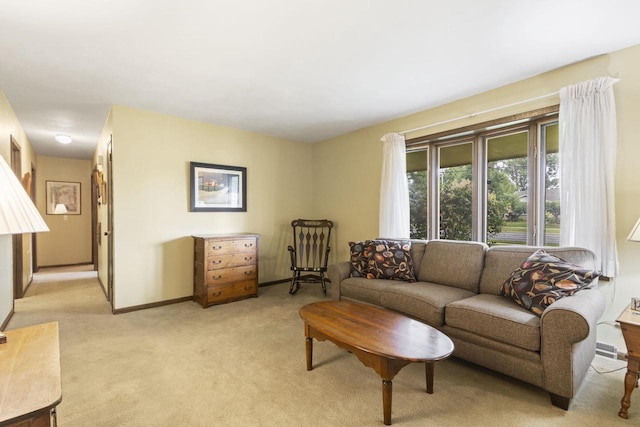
634, 236
18, 214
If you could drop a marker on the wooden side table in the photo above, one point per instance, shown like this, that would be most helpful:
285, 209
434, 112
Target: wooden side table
630, 324
30, 383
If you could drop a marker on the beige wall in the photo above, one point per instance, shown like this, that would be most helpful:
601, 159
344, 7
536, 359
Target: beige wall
347, 168
69, 239
153, 225
9, 126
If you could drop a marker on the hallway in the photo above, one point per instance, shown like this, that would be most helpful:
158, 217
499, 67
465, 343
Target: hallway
60, 294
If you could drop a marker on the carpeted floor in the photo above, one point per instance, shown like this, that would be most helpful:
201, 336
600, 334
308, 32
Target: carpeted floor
243, 364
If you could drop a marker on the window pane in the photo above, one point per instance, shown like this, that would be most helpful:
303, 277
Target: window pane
507, 186
552, 186
455, 191
418, 192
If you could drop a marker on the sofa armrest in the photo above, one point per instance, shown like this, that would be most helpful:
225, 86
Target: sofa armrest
568, 340
337, 273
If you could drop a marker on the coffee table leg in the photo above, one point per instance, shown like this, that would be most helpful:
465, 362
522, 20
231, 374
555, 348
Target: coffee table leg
429, 367
309, 345
387, 389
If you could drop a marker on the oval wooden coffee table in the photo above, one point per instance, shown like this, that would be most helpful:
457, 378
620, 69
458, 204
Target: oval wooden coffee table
381, 339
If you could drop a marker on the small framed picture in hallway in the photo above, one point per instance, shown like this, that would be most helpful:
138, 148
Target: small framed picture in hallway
63, 198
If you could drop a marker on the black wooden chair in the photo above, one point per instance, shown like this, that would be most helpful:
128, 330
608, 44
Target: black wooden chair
310, 252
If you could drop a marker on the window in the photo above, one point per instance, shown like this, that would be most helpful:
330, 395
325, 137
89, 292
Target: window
496, 182
455, 192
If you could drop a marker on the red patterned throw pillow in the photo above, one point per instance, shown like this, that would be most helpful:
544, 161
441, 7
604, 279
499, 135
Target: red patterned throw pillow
543, 279
382, 259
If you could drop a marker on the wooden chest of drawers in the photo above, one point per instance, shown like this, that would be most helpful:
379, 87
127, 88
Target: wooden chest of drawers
225, 268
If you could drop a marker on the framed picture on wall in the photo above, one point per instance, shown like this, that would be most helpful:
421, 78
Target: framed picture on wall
63, 198
217, 188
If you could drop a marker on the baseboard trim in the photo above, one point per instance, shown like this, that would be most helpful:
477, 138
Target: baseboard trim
104, 289
28, 285
274, 282
177, 300
151, 305
7, 320
64, 265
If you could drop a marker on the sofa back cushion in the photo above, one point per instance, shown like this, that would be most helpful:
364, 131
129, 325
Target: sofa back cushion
417, 250
452, 263
501, 261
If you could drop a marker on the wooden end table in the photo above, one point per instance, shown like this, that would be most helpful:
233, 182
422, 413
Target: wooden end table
630, 324
30, 382
380, 339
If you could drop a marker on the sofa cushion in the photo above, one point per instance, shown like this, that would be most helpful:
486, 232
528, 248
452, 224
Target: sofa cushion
417, 252
363, 289
453, 263
501, 261
542, 279
422, 300
496, 318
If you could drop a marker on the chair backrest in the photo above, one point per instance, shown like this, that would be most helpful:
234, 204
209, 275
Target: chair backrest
311, 243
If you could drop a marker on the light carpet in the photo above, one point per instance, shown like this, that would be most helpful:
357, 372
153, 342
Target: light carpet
243, 364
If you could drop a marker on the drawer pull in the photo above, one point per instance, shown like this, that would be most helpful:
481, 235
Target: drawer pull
248, 258
216, 294
218, 261
248, 273
216, 277
248, 288
248, 245
217, 247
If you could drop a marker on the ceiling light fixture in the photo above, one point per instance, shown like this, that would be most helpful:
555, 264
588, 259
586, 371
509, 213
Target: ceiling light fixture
63, 139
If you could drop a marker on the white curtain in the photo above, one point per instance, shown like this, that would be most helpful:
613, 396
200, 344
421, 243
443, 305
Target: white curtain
394, 188
587, 165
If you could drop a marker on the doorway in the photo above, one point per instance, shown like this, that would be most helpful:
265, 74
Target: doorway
34, 240
95, 224
18, 286
109, 233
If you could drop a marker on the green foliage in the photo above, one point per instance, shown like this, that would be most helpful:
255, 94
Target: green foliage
551, 173
418, 204
456, 197
552, 210
456, 203
515, 170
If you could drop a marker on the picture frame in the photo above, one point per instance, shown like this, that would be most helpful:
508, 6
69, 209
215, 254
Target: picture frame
63, 198
217, 188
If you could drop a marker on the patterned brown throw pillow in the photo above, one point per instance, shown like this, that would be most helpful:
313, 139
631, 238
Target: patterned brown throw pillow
359, 260
382, 259
543, 279
390, 259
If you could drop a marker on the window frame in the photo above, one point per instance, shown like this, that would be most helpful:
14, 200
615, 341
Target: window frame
478, 135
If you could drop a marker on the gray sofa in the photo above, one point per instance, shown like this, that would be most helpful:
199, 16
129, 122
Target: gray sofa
457, 292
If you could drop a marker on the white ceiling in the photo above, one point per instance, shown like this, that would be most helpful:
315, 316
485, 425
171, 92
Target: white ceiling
301, 69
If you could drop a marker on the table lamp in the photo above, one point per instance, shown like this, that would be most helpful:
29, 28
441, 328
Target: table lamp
60, 209
634, 236
18, 214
